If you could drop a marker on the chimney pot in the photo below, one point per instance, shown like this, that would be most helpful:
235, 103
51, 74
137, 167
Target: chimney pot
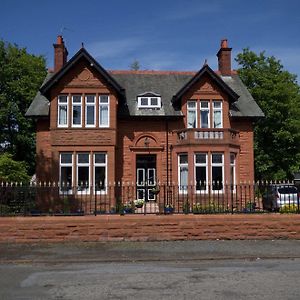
224, 43
60, 40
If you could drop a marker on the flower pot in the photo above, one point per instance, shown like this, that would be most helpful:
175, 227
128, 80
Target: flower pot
128, 210
168, 210
139, 205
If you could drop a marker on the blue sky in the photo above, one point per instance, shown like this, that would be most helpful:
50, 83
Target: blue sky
160, 34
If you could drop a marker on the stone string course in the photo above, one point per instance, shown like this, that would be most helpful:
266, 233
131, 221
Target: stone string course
148, 228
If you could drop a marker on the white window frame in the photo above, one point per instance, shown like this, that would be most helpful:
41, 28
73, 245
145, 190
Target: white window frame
77, 104
78, 165
233, 166
104, 191
215, 110
204, 109
182, 189
104, 104
217, 165
89, 104
192, 109
69, 191
206, 168
60, 104
148, 105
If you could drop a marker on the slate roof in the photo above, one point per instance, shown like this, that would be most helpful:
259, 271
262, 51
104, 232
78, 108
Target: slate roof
169, 85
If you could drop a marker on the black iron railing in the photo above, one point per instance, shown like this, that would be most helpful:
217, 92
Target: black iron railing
123, 198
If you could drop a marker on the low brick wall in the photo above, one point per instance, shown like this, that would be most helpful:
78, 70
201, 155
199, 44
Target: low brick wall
149, 228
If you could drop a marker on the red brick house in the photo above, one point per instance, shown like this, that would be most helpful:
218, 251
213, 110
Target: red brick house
97, 127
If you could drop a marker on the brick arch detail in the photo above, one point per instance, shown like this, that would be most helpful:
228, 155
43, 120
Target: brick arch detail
140, 140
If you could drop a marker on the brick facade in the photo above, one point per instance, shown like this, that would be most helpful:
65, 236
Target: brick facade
126, 138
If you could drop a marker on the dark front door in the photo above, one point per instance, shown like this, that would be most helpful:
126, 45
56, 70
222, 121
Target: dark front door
145, 176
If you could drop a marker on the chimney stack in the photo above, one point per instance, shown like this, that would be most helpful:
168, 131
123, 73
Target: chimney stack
60, 53
224, 58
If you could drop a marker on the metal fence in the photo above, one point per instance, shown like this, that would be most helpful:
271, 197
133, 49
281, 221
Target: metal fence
125, 198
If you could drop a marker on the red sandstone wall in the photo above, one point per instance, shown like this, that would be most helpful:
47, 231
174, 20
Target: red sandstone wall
148, 228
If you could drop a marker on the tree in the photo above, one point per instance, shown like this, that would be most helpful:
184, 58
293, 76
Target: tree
135, 65
12, 171
21, 75
277, 136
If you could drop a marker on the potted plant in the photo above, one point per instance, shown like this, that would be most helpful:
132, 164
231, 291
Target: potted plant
155, 190
168, 209
139, 203
128, 208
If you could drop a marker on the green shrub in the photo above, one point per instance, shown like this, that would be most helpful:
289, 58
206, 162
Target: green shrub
11, 170
292, 208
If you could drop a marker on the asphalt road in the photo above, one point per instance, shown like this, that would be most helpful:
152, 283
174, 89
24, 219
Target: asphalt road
152, 270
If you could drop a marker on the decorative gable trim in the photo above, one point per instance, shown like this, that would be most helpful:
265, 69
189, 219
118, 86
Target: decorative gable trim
82, 53
205, 70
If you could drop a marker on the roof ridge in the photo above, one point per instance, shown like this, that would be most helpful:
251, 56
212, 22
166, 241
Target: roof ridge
151, 72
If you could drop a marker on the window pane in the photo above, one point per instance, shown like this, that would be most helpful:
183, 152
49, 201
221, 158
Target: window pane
76, 115
217, 119
217, 178
204, 118
191, 104
90, 98
76, 99
204, 104
63, 99
183, 159
144, 101
217, 104
62, 115
83, 158
104, 99
66, 158
99, 178
154, 101
201, 178
65, 177
103, 115
201, 158
83, 176
90, 115
100, 158
217, 158
232, 175
191, 119
232, 158
183, 176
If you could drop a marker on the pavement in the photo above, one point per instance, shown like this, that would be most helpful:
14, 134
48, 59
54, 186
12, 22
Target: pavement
151, 270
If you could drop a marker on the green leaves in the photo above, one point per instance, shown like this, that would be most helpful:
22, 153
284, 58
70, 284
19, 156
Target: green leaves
12, 171
21, 75
277, 136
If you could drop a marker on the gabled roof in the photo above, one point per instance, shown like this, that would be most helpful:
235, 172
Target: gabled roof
205, 70
82, 53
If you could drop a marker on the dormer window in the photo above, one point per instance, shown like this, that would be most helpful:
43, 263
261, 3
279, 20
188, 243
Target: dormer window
149, 100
